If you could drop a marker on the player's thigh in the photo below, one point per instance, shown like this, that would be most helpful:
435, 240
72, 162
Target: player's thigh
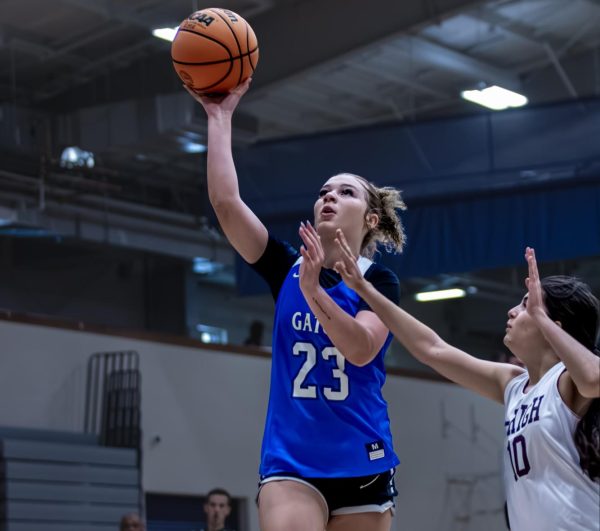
361, 522
291, 506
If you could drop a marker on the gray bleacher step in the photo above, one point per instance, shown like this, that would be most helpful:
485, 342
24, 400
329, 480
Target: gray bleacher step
67, 512
32, 491
47, 451
65, 437
69, 473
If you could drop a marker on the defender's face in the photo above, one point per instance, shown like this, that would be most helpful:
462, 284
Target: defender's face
342, 203
217, 509
520, 328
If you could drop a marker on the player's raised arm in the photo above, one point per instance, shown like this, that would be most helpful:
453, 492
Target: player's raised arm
583, 366
242, 227
484, 377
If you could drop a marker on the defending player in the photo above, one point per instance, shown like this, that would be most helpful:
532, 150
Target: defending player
552, 410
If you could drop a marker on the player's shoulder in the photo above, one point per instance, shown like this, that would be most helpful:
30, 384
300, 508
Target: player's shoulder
383, 280
380, 273
279, 247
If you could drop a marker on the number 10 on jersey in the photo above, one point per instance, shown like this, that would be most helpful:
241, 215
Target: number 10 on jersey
310, 391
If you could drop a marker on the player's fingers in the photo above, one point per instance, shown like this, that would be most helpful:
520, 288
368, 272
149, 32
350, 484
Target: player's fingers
304, 235
197, 97
312, 230
316, 238
341, 270
307, 259
241, 89
344, 242
346, 258
311, 233
533, 267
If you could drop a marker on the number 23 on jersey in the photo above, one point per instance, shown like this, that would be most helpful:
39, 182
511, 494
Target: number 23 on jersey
303, 390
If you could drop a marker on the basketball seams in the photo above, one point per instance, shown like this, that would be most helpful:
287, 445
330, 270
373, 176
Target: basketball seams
229, 60
248, 47
226, 21
208, 38
248, 54
212, 61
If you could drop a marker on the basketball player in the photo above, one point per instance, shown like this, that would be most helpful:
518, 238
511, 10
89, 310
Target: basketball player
327, 457
552, 409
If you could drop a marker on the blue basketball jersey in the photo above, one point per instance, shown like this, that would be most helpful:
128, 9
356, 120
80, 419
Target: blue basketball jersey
327, 417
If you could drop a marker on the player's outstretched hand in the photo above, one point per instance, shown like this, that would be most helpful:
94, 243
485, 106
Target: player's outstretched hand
221, 104
347, 266
535, 300
313, 257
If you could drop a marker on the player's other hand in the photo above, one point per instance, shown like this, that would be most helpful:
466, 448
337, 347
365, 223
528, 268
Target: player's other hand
535, 299
313, 257
347, 266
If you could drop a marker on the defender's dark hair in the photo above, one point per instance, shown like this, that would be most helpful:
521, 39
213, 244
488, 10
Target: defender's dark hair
571, 302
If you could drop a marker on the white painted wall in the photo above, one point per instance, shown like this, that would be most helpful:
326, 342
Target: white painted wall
208, 409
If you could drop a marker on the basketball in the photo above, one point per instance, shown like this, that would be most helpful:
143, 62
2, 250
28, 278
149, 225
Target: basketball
214, 51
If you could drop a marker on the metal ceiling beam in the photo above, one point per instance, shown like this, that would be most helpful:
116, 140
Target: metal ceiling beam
109, 11
561, 71
91, 69
304, 96
513, 27
399, 79
530, 33
462, 63
296, 37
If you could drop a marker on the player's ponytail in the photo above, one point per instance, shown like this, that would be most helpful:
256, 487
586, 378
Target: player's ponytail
389, 232
587, 441
571, 302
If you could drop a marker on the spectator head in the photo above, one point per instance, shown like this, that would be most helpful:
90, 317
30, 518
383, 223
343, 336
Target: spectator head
217, 508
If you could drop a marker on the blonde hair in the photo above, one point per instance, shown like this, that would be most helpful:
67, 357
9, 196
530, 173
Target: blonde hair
389, 232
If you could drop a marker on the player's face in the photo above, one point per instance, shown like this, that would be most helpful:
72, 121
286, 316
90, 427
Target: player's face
342, 203
217, 509
520, 329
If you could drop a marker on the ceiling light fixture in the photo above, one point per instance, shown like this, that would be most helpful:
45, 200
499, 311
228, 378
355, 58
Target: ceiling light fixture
167, 34
204, 266
495, 98
75, 157
443, 294
193, 147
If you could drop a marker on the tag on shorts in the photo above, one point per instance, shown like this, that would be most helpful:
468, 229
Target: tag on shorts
375, 450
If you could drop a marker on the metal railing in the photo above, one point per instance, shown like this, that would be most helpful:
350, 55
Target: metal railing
113, 399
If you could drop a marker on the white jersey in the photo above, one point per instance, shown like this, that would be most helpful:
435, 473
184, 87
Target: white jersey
546, 489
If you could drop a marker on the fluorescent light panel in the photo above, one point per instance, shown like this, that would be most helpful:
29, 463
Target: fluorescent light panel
168, 34
441, 294
204, 266
193, 147
495, 98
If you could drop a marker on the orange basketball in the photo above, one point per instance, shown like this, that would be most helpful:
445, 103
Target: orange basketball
214, 51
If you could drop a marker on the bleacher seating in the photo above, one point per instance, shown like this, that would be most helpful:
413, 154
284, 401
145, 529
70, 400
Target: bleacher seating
64, 481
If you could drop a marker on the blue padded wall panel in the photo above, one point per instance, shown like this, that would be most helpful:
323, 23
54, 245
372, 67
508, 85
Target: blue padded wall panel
462, 235
479, 188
